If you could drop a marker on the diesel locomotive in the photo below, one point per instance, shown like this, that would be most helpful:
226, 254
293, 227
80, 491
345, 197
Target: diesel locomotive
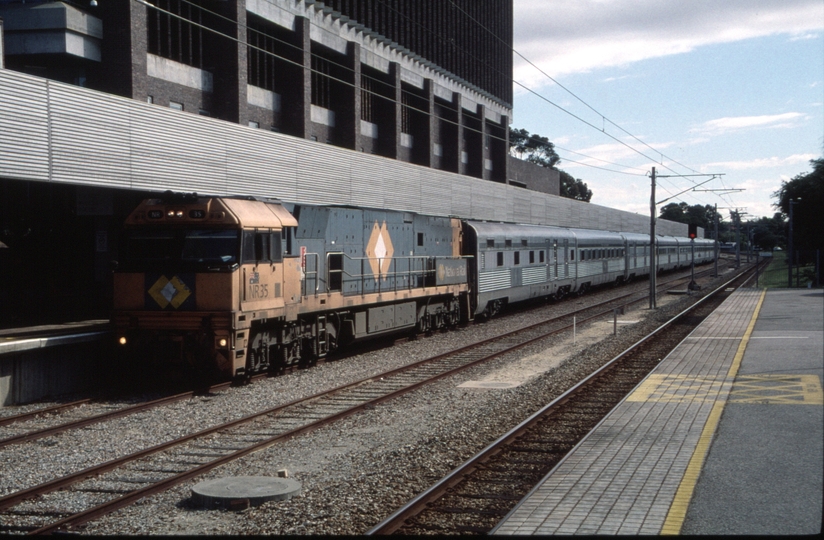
232, 286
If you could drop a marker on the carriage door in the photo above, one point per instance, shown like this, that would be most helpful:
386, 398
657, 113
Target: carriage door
566, 258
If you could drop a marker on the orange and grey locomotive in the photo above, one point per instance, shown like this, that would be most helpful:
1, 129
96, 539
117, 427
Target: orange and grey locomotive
237, 286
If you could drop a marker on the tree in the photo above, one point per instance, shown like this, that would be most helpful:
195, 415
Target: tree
703, 216
538, 150
573, 188
533, 148
808, 219
768, 233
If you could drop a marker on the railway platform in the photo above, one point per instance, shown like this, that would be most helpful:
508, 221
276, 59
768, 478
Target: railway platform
724, 437
50, 360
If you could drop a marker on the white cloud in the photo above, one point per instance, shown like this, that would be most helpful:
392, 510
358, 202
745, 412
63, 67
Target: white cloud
763, 163
573, 36
719, 126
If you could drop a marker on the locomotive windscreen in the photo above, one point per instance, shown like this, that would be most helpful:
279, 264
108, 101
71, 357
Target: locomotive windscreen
185, 249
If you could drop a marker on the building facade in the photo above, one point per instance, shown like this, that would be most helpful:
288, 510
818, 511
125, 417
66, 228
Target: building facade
427, 82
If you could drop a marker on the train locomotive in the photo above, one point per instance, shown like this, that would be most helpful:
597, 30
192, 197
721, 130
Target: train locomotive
237, 286
231, 286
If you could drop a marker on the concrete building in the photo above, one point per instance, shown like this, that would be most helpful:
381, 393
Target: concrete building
423, 82
396, 104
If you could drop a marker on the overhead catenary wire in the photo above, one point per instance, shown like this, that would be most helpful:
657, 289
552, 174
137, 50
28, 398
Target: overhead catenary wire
603, 117
425, 112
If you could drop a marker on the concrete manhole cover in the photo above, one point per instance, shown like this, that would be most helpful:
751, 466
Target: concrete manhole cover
244, 491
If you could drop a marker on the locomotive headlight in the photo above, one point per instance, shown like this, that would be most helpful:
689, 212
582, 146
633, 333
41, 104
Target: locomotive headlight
122, 340
222, 342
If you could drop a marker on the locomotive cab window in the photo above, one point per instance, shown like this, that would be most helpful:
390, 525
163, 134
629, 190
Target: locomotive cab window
194, 249
261, 246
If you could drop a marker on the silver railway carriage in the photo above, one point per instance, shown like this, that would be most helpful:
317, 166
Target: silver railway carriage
518, 262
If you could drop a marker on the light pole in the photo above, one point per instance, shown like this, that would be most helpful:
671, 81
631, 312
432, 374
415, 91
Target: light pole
790, 246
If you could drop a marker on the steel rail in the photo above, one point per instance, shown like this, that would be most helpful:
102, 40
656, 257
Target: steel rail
411, 509
15, 498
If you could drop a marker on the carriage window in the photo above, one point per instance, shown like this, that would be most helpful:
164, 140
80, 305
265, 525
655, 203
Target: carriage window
500, 258
517, 257
490, 243
541, 256
531, 257
572, 254
508, 243
523, 242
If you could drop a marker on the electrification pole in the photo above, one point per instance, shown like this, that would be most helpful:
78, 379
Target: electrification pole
653, 263
652, 258
717, 245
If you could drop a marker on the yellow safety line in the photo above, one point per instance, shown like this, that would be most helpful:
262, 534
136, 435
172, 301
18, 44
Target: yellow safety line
678, 509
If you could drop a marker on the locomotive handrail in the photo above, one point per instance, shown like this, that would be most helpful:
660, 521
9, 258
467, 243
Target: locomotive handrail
363, 275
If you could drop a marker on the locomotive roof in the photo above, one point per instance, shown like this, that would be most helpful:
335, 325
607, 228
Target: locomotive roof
219, 212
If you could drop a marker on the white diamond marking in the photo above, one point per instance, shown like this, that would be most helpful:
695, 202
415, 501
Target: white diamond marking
168, 291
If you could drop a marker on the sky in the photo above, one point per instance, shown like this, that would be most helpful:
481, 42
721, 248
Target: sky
727, 87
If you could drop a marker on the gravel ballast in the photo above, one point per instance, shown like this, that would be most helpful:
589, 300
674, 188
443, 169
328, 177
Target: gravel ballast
355, 472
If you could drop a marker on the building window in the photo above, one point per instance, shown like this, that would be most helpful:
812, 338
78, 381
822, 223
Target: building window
254, 124
149, 99
366, 98
175, 105
321, 83
174, 31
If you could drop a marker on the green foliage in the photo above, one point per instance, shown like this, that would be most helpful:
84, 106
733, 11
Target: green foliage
573, 188
533, 148
703, 216
808, 220
538, 150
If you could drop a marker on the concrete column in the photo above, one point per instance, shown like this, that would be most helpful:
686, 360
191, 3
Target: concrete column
352, 100
485, 150
123, 57
393, 140
298, 109
459, 139
429, 91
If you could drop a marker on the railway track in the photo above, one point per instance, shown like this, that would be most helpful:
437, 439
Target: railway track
55, 419
473, 498
126, 480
